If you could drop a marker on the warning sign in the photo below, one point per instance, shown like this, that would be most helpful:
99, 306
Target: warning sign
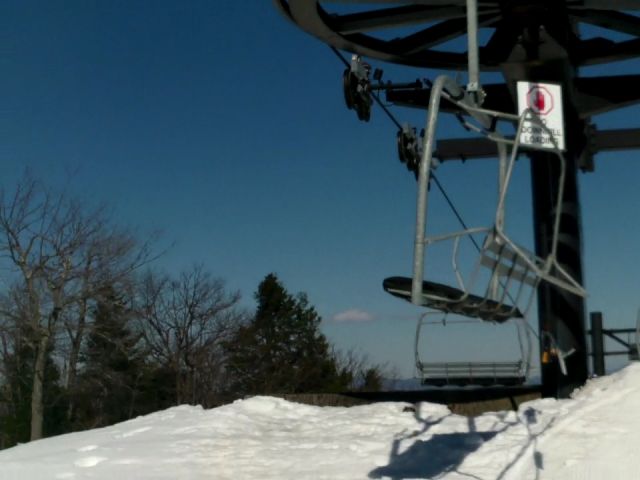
543, 101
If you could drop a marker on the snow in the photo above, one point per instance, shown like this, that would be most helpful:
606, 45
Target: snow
594, 435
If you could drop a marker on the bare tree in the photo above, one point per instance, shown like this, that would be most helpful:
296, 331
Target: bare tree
363, 374
184, 322
62, 254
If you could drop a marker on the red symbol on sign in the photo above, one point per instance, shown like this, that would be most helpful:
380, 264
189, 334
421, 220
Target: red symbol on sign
540, 100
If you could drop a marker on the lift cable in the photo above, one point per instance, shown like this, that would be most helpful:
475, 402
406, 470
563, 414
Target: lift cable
433, 175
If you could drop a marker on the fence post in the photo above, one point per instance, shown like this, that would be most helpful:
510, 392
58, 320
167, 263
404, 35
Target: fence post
597, 343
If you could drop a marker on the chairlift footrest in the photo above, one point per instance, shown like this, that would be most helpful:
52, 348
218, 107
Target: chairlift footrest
473, 381
452, 300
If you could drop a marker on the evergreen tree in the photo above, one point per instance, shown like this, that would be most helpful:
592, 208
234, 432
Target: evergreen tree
282, 349
113, 367
15, 419
15, 393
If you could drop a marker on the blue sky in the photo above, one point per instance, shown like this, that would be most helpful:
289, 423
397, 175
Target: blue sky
223, 125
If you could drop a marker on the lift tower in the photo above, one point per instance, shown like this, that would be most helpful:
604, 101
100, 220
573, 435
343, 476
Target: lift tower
529, 40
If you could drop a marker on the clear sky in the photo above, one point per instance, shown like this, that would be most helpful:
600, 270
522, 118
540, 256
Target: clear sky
223, 125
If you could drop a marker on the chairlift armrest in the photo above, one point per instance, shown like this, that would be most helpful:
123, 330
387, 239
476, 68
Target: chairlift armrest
469, 231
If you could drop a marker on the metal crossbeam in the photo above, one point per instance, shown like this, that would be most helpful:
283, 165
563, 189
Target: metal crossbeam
482, 148
597, 333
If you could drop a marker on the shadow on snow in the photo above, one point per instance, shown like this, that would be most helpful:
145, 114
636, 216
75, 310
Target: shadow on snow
430, 458
443, 453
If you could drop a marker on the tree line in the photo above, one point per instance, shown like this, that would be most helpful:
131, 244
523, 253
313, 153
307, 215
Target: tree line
91, 334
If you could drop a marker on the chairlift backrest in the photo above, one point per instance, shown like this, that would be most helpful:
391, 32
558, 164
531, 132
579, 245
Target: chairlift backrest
505, 262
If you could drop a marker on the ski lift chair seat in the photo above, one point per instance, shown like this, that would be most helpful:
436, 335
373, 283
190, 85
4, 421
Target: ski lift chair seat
462, 374
449, 299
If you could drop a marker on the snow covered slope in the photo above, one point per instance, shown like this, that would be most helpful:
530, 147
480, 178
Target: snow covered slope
596, 435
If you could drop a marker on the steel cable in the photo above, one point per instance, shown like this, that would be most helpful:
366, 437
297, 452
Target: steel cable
439, 185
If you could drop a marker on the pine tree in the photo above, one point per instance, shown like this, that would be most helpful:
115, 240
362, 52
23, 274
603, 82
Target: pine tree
113, 367
15, 419
15, 393
282, 349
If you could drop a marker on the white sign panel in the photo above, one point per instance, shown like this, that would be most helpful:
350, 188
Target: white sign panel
545, 101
